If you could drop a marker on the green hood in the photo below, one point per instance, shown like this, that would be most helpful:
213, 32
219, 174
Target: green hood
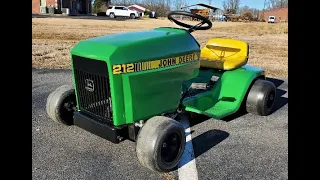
137, 46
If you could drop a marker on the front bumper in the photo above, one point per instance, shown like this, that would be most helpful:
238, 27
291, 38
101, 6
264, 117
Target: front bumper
108, 132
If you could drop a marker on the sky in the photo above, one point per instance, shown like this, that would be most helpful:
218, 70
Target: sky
218, 3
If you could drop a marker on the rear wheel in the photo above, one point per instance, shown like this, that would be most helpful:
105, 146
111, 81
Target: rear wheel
261, 97
132, 16
160, 144
60, 104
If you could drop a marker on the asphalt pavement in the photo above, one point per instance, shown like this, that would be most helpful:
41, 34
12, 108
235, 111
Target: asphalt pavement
240, 147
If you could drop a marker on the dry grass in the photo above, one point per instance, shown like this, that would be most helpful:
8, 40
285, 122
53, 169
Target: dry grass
52, 39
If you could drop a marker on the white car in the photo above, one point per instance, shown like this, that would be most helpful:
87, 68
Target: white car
121, 11
271, 19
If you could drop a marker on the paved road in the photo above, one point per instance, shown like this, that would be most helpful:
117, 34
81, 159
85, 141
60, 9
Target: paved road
244, 147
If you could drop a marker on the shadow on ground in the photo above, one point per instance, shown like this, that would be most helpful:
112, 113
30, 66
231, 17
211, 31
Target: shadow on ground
208, 140
204, 142
280, 101
51, 71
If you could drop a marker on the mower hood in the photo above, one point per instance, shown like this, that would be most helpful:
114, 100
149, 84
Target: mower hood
131, 47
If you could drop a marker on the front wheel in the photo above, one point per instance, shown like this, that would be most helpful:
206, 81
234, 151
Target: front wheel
261, 97
160, 144
112, 15
61, 104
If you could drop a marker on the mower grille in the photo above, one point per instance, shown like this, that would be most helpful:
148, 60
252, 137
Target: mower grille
93, 89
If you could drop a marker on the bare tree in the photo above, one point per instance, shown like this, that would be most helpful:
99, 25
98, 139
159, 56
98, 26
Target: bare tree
276, 4
178, 4
249, 13
243, 9
161, 7
231, 4
255, 13
168, 3
98, 4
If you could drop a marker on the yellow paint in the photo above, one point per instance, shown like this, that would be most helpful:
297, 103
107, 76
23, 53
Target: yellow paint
225, 54
155, 64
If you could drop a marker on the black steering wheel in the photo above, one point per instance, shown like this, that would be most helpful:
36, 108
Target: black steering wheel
191, 28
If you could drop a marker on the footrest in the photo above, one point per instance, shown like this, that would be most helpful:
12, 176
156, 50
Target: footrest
218, 111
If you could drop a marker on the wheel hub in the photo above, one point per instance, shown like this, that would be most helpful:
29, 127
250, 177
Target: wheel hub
270, 100
170, 148
69, 105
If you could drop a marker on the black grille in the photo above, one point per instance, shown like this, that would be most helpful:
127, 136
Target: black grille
93, 89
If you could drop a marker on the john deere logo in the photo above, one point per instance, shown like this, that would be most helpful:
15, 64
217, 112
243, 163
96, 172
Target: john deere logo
89, 85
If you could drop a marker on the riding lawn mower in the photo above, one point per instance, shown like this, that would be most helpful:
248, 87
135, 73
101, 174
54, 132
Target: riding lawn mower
136, 85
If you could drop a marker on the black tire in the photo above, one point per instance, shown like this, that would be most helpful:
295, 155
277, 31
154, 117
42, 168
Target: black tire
152, 144
111, 15
261, 97
57, 103
132, 16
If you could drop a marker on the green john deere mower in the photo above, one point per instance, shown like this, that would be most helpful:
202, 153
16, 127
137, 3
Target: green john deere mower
136, 85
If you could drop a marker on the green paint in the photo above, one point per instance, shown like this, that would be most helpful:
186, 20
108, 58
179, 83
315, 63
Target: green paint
155, 92
141, 95
227, 94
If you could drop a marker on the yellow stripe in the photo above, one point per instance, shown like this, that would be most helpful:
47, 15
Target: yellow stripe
155, 64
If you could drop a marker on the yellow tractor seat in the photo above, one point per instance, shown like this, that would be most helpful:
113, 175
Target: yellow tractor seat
224, 54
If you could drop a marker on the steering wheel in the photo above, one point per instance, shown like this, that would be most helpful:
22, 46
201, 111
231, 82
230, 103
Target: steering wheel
191, 28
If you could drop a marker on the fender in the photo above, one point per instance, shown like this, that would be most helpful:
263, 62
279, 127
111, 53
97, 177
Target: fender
228, 93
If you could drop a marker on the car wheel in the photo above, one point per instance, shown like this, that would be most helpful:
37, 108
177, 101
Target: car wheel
112, 15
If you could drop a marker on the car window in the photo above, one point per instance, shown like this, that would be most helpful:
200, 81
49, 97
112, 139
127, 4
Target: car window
271, 17
119, 8
110, 7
